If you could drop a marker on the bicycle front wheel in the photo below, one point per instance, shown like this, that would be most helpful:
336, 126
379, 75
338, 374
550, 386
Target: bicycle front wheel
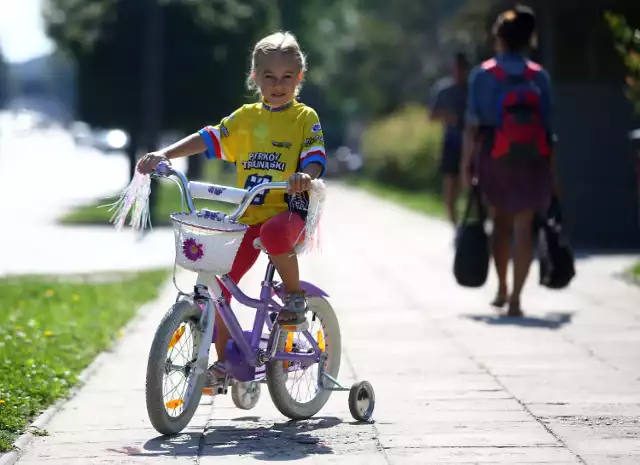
173, 389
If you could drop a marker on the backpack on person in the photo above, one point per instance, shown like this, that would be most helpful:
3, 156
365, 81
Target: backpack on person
520, 133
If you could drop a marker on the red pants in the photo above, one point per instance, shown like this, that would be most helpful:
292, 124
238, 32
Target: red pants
279, 234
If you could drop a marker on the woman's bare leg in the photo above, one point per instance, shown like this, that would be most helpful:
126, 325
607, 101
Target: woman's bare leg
502, 226
523, 223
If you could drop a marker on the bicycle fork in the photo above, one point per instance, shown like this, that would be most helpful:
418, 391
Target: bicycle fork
203, 298
207, 320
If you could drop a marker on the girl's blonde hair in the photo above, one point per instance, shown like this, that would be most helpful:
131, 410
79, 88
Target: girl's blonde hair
282, 42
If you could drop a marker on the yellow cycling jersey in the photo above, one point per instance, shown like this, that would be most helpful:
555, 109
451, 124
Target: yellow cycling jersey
267, 145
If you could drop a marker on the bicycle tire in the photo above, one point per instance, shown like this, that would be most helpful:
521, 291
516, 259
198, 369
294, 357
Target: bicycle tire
276, 376
184, 311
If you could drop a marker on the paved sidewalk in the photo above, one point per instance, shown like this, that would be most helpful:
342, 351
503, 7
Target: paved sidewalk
454, 383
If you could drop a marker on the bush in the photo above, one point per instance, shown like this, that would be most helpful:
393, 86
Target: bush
627, 43
403, 149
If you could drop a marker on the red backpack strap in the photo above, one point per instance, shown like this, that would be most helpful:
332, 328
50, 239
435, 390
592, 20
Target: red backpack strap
531, 70
494, 68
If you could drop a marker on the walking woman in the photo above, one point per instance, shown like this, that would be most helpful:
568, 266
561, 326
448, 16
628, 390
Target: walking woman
507, 146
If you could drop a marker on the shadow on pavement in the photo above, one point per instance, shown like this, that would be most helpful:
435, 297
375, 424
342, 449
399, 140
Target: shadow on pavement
264, 440
553, 320
585, 253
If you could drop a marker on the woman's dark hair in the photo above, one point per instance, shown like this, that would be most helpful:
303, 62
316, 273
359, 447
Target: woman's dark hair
515, 28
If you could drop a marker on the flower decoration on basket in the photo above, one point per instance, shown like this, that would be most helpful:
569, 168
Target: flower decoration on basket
192, 250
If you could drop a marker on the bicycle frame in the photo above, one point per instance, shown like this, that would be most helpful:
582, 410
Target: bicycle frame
214, 300
250, 349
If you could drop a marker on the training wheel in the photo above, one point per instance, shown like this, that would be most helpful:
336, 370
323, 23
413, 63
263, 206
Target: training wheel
362, 401
245, 395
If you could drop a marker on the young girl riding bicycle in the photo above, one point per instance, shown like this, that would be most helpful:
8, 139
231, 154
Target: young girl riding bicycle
274, 140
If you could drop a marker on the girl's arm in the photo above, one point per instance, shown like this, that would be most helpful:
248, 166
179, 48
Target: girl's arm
557, 190
188, 146
544, 82
469, 138
301, 181
314, 170
468, 148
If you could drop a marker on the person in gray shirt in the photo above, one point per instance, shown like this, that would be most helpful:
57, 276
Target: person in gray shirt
447, 104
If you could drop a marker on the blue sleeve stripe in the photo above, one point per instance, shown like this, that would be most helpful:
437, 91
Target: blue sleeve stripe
315, 159
211, 151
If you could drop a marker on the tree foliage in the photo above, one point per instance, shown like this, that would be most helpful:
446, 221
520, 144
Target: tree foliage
366, 57
202, 40
627, 43
378, 55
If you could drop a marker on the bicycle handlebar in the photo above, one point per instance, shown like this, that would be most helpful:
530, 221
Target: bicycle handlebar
165, 170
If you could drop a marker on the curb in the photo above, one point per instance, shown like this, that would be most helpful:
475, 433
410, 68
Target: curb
11, 457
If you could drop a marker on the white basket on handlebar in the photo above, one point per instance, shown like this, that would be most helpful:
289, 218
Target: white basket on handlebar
206, 241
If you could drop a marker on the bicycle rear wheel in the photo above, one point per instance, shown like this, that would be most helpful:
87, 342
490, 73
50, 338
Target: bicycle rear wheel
173, 389
285, 380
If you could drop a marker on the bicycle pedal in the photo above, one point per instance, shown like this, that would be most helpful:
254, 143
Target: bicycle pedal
296, 328
214, 391
207, 391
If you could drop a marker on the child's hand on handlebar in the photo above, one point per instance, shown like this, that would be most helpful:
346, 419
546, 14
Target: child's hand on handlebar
149, 162
299, 182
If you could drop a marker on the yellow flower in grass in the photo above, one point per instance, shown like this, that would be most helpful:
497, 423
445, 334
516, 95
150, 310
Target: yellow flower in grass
49, 293
47, 333
1, 401
75, 297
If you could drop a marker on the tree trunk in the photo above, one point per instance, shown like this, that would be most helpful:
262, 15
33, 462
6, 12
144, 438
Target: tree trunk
152, 104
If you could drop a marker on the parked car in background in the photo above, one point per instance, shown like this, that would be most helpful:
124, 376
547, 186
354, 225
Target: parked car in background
105, 140
110, 140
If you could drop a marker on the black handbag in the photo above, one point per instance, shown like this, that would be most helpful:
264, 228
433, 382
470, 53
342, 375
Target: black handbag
471, 262
557, 266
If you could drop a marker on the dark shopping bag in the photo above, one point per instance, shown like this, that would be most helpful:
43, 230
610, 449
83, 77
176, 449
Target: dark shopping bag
471, 262
557, 267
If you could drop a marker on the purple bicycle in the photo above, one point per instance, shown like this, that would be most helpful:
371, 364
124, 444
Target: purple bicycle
206, 243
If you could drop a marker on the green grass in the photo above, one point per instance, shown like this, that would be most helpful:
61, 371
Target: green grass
426, 201
51, 328
636, 270
168, 201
